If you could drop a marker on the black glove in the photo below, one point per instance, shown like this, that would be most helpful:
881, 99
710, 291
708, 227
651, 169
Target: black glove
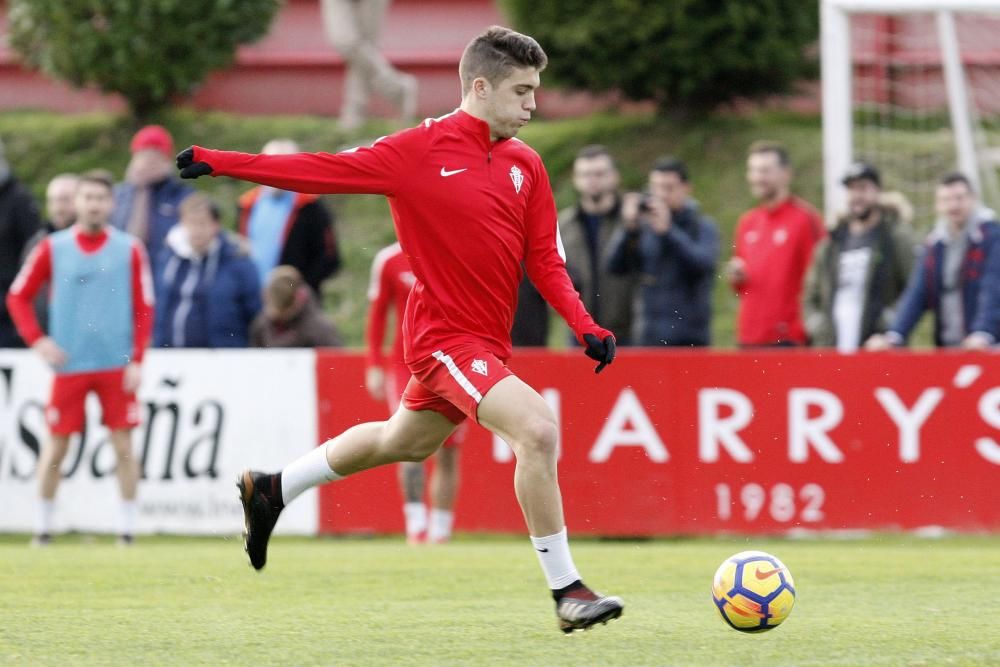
189, 168
602, 351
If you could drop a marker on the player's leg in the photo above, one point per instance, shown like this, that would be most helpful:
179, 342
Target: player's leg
411, 474
49, 475
411, 484
120, 413
518, 414
444, 487
409, 435
64, 416
127, 471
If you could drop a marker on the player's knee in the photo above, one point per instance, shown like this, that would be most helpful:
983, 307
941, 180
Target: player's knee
539, 437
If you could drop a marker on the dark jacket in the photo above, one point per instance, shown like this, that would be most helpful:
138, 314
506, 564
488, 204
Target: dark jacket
608, 297
676, 274
310, 242
19, 221
979, 281
888, 270
164, 212
309, 328
206, 302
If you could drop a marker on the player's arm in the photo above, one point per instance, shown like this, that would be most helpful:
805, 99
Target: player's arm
142, 302
545, 261
366, 170
379, 300
34, 274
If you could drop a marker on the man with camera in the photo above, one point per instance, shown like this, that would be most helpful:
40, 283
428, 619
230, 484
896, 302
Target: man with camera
673, 248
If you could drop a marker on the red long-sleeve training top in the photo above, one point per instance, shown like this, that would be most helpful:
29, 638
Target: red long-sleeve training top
467, 211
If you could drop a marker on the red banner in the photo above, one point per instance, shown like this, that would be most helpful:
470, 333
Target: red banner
701, 442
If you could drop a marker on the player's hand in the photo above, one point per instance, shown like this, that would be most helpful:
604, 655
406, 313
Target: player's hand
375, 382
50, 352
189, 168
132, 377
601, 351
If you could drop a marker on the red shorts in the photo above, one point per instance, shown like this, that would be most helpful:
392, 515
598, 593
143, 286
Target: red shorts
453, 381
396, 380
65, 413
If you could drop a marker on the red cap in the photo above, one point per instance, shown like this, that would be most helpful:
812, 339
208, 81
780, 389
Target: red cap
155, 137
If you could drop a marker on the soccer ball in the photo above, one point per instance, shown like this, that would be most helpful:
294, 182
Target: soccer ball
753, 591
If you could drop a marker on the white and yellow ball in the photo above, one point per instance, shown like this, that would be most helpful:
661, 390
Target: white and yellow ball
753, 591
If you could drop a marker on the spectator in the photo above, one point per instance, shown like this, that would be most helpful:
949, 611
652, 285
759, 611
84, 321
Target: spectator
18, 223
773, 247
207, 290
861, 269
291, 317
353, 29
147, 203
673, 248
957, 275
531, 319
586, 229
99, 331
59, 195
289, 228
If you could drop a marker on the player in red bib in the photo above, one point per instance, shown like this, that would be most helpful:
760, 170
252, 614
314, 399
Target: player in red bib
385, 379
470, 203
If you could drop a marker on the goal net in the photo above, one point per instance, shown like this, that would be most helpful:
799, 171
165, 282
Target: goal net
913, 87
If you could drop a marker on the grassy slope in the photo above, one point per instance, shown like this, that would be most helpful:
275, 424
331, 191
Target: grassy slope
879, 601
42, 144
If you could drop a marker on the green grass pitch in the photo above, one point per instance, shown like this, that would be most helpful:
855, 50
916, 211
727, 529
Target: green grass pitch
882, 600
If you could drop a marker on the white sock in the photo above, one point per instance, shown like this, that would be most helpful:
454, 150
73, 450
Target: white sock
553, 554
440, 525
128, 517
306, 472
416, 518
43, 521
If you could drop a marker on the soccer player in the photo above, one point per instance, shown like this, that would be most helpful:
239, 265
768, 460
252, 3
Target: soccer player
391, 281
469, 203
100, 318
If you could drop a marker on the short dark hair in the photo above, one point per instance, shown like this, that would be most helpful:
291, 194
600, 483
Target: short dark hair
592, 151
99, 176
495, 53
767, 146
671, 165
953, 177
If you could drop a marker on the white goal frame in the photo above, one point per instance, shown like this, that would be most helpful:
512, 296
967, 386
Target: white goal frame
836, 77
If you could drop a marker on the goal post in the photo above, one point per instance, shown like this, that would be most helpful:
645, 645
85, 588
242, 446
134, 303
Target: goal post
968, 151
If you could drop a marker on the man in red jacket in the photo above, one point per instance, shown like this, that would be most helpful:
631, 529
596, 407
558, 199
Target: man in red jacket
470, 203
772, 249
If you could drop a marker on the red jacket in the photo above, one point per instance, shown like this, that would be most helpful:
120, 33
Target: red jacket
467, 211
776, 244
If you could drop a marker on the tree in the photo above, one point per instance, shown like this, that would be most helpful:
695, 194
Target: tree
148, 51
688, 55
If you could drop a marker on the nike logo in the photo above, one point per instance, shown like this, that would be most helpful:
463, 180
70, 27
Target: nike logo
770, 573
544, 551
446, 173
